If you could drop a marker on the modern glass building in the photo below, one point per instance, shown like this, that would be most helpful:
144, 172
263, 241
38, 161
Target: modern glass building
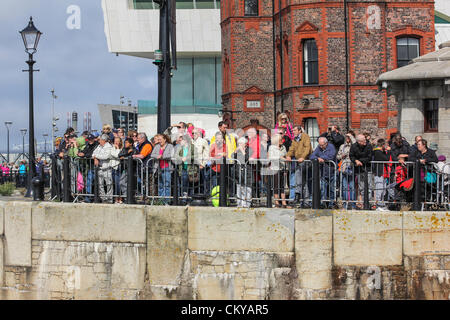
442, 21
132, 28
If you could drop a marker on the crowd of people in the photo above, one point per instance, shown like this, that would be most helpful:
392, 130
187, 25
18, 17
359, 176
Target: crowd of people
17, 172
283, 155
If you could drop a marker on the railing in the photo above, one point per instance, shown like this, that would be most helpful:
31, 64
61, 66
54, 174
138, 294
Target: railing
255, 183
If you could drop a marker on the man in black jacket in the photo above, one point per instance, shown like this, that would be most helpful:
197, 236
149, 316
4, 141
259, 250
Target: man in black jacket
361, 155
381, 156
400, 149
86, 160
334, 136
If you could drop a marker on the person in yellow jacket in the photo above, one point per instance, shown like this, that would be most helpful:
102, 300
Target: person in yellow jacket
230, 147
229, 139
300, 150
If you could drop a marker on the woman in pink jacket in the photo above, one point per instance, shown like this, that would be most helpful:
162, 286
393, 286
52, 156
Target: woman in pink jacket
283, 121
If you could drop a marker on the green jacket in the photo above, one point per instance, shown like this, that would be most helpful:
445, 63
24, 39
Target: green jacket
73, 152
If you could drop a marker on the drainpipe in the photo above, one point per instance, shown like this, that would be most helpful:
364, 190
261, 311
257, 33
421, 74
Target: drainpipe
347, 85
281, 57
274, 66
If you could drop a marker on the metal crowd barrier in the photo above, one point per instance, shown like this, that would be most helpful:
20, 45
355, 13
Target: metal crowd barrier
255, 183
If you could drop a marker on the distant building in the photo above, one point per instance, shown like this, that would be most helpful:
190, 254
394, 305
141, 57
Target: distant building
442, 21
132, 28
119, 116
423, 92
298, 67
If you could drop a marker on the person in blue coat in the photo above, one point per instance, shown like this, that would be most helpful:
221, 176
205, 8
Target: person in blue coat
325, 153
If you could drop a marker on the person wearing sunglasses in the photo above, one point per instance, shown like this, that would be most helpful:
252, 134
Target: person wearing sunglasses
283, 122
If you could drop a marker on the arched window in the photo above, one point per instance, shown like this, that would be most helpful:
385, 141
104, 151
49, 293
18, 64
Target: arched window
310, 62
407, 50
251, 7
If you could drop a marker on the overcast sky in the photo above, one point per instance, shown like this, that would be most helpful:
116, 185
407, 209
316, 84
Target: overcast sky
75, 62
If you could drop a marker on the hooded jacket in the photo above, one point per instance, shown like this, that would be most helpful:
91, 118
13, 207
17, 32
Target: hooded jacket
344, 153
396, 150
89, 149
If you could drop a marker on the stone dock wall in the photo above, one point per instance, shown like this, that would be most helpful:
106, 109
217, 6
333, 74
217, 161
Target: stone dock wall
82, 251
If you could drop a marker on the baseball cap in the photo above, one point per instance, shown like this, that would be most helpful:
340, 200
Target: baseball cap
91, 136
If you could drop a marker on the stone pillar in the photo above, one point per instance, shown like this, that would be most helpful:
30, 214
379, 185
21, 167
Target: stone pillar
313, 253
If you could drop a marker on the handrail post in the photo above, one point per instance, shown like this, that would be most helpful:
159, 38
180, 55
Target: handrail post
417, 187
223, 185
175, 201
131, 181
315, 184
66, 182
54, 171
366, 189
96, 186
269, 189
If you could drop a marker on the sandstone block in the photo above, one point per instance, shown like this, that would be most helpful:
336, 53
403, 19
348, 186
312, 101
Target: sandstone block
313, 249
426, 233
232, 229
219, 287
1, 263
166, 244
18, 233
89, 222
367, 238
2, 218
128, 267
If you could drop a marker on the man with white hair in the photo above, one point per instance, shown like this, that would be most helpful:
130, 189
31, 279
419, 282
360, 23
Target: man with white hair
201, 157
102, 157
144, 148
361, 156
325, 153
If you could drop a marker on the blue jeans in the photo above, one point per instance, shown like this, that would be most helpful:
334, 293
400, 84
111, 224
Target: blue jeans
348, 189
292, 185
300, 182
205, 178
116, 181
327, 188
89, 183
164, 184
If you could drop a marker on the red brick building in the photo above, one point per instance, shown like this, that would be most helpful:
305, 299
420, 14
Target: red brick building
309, 81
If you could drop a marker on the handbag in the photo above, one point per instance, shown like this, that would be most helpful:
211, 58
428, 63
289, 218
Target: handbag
431, 177
80, 182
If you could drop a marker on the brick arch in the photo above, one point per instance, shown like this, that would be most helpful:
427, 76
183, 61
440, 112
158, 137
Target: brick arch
408, 31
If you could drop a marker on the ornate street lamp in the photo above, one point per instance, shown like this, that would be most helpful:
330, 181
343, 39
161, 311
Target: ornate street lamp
8, 126
31, 36
24, 133
45, 135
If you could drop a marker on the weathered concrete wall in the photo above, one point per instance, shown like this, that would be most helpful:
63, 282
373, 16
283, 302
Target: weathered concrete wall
81, 251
